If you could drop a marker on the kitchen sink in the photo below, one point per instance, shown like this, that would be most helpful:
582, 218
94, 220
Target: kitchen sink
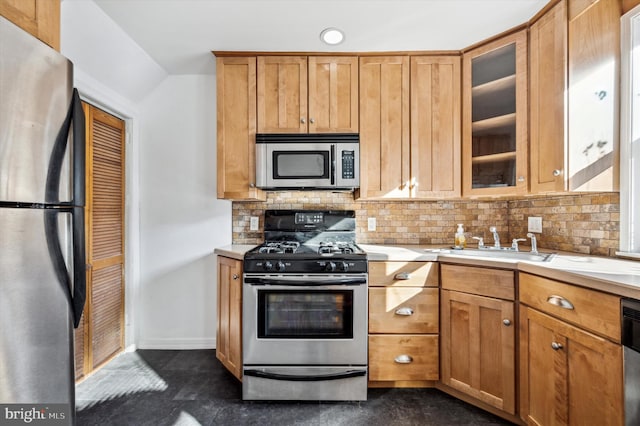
498, 254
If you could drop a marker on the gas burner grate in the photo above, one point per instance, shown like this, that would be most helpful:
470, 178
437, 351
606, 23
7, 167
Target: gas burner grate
279, 247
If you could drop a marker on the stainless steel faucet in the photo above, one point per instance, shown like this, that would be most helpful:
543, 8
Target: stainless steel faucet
534, 243
496, 237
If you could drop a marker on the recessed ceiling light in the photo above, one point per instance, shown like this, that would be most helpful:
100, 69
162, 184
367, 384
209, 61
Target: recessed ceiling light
332, 36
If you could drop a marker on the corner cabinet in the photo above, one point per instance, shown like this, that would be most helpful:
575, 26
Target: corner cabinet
572, 334
494, 118
300, 94
478, 334
403, 324
40, 18
229, 315
236, 129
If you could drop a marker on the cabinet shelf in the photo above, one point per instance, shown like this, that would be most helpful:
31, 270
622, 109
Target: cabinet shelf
501, 84
494, 158
496, 125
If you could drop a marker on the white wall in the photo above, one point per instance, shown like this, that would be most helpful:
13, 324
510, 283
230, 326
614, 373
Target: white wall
173, 219
181, 219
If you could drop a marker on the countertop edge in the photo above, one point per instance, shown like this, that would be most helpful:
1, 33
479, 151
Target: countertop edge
618, 282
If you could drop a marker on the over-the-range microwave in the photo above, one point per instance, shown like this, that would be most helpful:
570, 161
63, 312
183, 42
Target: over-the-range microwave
308, 161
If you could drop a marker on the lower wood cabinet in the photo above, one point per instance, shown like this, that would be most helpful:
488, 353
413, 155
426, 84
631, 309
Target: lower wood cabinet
568, 376
229, 332
478, 334
403, 324
570, 370
403, 358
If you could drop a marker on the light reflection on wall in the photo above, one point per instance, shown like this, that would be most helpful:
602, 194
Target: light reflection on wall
592, 127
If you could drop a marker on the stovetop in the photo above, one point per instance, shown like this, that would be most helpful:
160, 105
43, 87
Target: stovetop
304, 241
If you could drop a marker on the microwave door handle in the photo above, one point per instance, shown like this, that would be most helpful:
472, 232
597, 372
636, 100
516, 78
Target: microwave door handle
333, 165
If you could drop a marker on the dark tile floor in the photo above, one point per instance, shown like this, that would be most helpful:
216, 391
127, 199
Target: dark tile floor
152, 387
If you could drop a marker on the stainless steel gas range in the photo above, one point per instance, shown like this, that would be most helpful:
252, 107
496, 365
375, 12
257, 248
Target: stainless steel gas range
305, 309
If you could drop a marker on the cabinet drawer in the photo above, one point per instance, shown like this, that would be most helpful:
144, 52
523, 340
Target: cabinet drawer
496, 283
403, 310
403, 274
593, 310
420, 354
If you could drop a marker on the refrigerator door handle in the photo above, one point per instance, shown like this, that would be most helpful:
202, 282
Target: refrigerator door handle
79, 156
75, 292
75, 114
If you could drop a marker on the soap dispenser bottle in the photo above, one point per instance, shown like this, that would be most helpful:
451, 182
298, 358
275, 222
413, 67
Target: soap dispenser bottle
460, 240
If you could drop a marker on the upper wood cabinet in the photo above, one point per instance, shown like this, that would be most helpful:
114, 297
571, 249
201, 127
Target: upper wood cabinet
574, 55
593, 120
236, 128
494, 117
333, 94
297, 94
384, 127
40, 18
547, 83
422, 163
435, 127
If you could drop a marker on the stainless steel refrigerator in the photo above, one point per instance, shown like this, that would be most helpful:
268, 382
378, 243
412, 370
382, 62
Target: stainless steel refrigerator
42, 259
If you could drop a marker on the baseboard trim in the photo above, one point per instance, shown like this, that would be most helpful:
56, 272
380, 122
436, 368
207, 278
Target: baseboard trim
177, 344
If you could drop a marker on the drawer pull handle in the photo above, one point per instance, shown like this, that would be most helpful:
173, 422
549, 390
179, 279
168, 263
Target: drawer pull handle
559, 301
403, 276
506, 322
556, 346
403, 359
404, 311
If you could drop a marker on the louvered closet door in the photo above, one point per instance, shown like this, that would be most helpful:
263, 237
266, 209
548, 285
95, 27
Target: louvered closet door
104, 315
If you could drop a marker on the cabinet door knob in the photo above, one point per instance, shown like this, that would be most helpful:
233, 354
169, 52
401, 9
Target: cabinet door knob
252, 185
302, 120
235, 276
311, 120
405, 310
402, 276
557, 172
403, 359
506, 322
556, 346
559, 301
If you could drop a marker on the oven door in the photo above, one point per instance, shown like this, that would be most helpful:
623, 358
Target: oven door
305, 320
295, 165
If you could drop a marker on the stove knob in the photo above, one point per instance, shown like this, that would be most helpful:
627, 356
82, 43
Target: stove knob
331, 266
344, 266
268, 265
280, 266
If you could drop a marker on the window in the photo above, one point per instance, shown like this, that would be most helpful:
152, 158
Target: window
630, 136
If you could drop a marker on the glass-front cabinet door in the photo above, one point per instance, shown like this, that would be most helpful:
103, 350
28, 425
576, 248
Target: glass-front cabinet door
495, 117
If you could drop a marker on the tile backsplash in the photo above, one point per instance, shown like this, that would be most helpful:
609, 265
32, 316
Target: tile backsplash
583, 223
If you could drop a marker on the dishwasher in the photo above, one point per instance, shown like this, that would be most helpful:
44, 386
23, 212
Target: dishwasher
631, 344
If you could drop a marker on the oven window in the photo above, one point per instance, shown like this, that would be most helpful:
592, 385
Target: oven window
301, 164
305, 314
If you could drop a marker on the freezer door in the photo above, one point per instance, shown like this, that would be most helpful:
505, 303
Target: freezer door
36, 85
36, 340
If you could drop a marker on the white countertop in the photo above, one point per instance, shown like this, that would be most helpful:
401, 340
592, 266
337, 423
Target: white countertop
621, 277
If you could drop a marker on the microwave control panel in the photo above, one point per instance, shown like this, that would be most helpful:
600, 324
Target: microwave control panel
348, 164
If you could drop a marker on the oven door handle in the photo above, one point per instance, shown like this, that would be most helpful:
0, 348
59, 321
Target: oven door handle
297, 378
297, 281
